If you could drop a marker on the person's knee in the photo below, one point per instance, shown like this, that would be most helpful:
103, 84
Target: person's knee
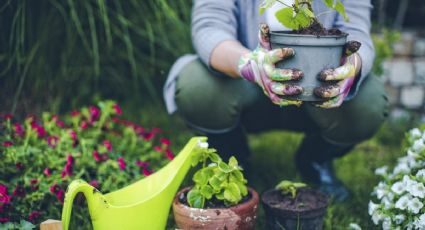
200, 100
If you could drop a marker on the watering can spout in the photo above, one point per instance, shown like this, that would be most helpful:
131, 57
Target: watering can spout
144, 204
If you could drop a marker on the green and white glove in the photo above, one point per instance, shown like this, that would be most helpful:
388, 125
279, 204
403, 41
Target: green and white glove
258, 67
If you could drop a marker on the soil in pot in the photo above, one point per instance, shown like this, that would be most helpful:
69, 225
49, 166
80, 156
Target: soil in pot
305, 212
216, 216
316, 49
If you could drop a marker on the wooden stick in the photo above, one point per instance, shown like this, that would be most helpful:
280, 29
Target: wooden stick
51, 225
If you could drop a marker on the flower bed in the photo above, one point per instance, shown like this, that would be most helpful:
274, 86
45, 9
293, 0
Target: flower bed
400, 195
39, 158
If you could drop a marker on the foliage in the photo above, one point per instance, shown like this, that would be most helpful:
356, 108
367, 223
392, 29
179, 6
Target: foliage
290, 187
384, 49
216, 180
401, 192
300, 15
105, 49
39, 158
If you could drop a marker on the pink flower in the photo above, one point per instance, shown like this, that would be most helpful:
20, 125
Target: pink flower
19, 129
60, 195
138, 129
54, 188
69, 159
8, 116
75, 113
165, 141
146, 172
19, 191
4, 220
7, 143
19, 166
34, 215
57, 121
107, 144
67, 170
157, 148
99, 157
94, 113
47, 172
94, 183
169, 154
34, 184
148, 136
84, 125
41, 132
73, 135
117, 109
4, 197
121, 163
142, 164
52, 141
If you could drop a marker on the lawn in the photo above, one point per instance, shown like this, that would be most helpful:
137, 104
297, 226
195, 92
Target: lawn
272, 161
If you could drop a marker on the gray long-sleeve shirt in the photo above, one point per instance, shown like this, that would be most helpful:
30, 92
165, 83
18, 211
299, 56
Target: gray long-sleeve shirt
215, 21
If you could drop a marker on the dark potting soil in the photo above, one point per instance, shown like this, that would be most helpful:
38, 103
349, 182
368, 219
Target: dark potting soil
305, 200
213, 203
318, 30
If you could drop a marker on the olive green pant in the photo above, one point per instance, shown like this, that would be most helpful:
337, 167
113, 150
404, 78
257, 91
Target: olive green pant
217, 104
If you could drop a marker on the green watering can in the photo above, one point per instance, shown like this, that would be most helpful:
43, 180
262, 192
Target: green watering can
144, 204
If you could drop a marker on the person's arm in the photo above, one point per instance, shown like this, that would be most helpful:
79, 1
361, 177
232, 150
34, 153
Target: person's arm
225, 57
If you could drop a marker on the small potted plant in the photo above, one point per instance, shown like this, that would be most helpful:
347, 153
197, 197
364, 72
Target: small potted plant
293, 205
219, 198
316, 48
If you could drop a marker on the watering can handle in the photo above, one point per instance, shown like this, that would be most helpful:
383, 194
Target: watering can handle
73, 189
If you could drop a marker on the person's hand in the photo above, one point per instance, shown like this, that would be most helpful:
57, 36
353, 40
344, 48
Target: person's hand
343, 77
258, 67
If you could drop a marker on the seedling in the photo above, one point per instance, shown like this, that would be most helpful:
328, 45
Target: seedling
290, 188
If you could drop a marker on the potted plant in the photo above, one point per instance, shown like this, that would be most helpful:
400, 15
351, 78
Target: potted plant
316, 48
293, 205
219, 198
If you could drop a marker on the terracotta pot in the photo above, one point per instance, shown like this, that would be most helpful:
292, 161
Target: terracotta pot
281, 214
241, 216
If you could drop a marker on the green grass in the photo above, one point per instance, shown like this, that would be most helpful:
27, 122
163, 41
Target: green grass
272, 161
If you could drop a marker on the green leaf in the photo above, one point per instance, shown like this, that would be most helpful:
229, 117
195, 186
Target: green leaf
224, 167
215, 182
265, 5
242, 187
339, 7
302, 19
214, 157
200, 177
307, 12
232, 194
25, 225
329, 3
207, 191
286, 17
233, 162
195, 199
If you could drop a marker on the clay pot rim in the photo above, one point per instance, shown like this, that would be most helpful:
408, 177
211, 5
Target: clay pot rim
251, 202
318, 209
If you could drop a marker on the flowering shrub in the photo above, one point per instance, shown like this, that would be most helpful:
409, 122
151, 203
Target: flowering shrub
401, 193
39, 158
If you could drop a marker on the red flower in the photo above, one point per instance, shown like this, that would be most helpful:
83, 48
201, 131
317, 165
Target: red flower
67, 170
57, 121
142, 164
146, 172
69, 159
41, 132
4, 197
19, 166
99, 157
165, 141
60, 195
148, 136
94, 113
7, 143
139, 129
52, 141
8, 116
169, 154
34, 184
19, 191
121, 163
94, 183
157, 148
47, 172
34, 215
54, 188
117, 109
75, 113
4, 220
19, 129
84, 125
108, 145
73, 135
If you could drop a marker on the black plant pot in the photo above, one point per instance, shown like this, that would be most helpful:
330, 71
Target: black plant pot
305, 212
312, 55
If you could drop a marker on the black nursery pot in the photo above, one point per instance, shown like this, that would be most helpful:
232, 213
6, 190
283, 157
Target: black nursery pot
312, 55
306, 212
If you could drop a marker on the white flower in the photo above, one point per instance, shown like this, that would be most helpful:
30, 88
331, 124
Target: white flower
388, 204
386, 224
402, 168
354, 226
421, 174
420, 222
203, 144
398, 187
415, 133
418, 145
382, 171
407, 182
381, 193
372, 207
398, 219
411, 153
417, 189
377, 216
415, 205
403, 202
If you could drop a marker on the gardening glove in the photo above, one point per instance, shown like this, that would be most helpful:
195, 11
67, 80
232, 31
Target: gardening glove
343, 77
258, 67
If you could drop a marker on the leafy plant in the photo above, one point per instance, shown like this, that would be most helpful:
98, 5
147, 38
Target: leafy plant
216, 180
384, 49
39, 158
300, 14
290, 188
